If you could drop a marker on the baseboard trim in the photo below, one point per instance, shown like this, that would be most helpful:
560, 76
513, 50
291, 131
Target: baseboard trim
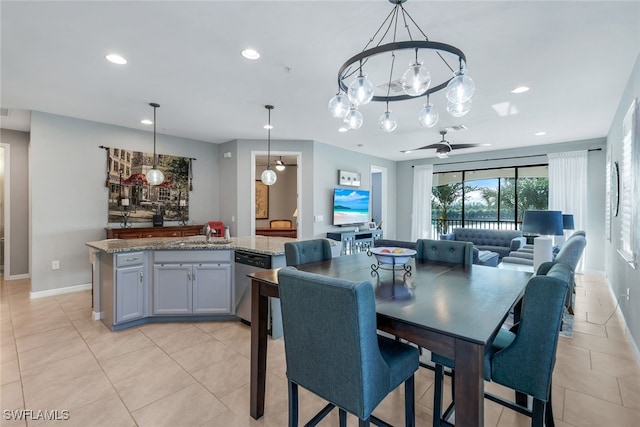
60, 291
18, 277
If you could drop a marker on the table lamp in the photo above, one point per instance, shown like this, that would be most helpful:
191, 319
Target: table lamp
544, 223
567, 224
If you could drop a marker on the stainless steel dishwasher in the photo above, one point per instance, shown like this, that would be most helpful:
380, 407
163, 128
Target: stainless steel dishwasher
245, 264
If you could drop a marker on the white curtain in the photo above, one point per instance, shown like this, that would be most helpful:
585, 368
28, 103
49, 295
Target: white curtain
421, 213
568, 187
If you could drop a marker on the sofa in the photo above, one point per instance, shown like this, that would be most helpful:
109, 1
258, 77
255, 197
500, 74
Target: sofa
500, 241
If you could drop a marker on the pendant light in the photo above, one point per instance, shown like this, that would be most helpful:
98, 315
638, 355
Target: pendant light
268, 177
154, 175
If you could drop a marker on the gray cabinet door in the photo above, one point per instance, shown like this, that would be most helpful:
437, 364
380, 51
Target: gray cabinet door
211, 288
129, 293
172, 289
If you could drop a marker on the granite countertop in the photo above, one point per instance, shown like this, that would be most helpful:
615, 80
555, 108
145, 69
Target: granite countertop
266, 245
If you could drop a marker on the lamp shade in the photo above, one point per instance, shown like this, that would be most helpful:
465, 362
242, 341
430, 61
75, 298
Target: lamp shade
543, 222
567, 222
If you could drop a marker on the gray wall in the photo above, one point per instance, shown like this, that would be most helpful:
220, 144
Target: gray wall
19, 203
328, 160
622, 275
594, 252
69, 199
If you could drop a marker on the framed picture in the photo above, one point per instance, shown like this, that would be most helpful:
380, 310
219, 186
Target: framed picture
372, 226
262, 200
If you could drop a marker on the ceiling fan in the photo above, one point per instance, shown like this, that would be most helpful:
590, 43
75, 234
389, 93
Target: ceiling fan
444, 147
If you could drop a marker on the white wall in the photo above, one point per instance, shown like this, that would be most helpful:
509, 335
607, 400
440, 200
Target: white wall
69, 198
620, 274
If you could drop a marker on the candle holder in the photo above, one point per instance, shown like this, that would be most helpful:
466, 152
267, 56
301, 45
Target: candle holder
182, 211
125, 212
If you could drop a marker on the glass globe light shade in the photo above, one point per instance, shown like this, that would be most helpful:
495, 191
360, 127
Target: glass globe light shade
460, 88
353, 119
339, 106
459, 109
416, 80
155, 176
428, 116
268, 177
360, 91
388, 122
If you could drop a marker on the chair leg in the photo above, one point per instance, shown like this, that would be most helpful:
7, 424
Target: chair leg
409, 402
342, 414
293, 404
537, 416
363, 423
548, 412
437, 395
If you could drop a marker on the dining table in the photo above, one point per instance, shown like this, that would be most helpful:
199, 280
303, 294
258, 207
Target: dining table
450, 309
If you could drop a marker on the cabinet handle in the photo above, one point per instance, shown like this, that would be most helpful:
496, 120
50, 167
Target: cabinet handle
141, 276
131, 259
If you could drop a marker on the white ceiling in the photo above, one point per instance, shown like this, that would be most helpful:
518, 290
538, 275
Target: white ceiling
575, 56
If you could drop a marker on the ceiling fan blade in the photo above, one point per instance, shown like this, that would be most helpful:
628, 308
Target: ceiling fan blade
458, 146
426, 147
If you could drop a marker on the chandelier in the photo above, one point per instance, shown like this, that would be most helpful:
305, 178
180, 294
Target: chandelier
356, 89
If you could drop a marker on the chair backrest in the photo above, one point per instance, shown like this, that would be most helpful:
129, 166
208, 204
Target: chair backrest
330, 339
571, 251
526, 365
218, 226
452, 251
280, 223
306, 251
394, 244
578, 233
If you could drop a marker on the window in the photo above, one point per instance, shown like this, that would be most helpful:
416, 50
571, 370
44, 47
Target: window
627, 228
487, 198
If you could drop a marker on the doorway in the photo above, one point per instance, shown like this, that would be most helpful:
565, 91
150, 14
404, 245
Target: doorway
4, 209
283, 197
379, 196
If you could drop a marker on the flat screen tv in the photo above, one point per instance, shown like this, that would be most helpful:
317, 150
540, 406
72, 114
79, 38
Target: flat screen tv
350, 207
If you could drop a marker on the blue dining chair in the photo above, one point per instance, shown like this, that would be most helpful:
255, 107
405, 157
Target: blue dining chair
333, 350
522, 358
452, 251
297, 253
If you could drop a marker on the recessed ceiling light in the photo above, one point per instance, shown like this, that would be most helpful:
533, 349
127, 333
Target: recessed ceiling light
250, 53
146, 122
520, 89
541, 133
406, 151
342, 129
116, 59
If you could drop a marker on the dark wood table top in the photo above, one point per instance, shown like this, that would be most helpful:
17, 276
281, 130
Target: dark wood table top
463, 302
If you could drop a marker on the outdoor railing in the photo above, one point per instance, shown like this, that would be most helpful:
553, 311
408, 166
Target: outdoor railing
440, 226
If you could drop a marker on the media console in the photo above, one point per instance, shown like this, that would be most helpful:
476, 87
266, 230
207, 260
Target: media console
355, 241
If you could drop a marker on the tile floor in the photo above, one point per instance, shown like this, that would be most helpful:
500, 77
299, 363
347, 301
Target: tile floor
54, 357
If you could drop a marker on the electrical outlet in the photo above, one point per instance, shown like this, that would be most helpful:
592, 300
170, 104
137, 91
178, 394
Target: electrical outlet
55, 265
628, 295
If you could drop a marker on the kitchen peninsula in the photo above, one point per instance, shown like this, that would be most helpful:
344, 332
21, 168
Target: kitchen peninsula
158, 279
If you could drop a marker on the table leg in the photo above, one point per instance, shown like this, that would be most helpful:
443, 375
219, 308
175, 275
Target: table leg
259, 304
469, 384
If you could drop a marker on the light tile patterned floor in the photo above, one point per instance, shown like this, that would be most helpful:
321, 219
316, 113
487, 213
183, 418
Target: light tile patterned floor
53, 356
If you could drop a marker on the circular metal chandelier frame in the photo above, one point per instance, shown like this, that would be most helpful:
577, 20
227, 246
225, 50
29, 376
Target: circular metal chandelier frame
395, 46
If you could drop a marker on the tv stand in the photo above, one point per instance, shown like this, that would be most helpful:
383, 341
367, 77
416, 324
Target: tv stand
355, 241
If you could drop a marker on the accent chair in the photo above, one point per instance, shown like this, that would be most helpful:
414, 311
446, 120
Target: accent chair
306, 251
332, 348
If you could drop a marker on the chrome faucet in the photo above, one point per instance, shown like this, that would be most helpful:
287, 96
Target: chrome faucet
208, 231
